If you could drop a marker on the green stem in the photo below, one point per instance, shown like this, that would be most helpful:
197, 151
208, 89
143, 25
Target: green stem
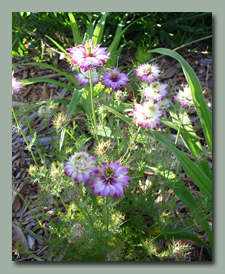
113, 114
131, 149
178, 132
24, 137
92, 106
85, 207
32, 134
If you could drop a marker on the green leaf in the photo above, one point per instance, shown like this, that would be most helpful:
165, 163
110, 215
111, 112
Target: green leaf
69, 77
61, 138
197, 94
73, 103
47, 80
99, 29
57, 45
186, 197
76, 33
195, 173
121, 116
104, 131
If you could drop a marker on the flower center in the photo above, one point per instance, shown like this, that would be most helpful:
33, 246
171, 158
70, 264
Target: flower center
89, 50
109, 172
148, 70
114, 75
80, 162
149, 111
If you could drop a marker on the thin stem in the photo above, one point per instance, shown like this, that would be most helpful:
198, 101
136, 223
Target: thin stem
178, 132
24, 137
135, 138
85, 207
92, 105
113, 114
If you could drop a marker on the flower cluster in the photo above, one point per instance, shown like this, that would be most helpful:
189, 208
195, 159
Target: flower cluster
16, 85
148, 113
109, 179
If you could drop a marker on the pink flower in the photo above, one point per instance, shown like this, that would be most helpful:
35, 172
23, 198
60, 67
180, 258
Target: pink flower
147, 72
155, 91
110, 180
84, 78
77, 230
80, 166
16, 86
88, 56
147, 114
184, 98
114, 79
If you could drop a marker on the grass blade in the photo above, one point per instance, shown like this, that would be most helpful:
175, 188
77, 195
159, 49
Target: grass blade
73, 103
76, 33
69, 77
57, 45
47, 80
99, 29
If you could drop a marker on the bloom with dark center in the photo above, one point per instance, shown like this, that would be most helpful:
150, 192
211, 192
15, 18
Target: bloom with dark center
114, 79
111, 180
148, 73
88, 55
80, 166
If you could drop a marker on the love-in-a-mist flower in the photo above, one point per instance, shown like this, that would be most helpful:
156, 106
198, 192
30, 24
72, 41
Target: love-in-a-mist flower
88, 55
114, 79
147, 72
165, 103
80, 166
84, 77
155, 91
77, 230
111, 180
16, 85
184, 98
147, 114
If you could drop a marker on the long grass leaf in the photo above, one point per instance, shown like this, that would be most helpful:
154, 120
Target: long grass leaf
47, 80
69, 77
57, 45
99, 29
75, 30
73, 103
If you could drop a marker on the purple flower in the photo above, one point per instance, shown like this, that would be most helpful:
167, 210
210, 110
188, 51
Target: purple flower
155, 91
80, 166
88, 56
147, 114
16, 86
84, 77
110, 180
114, 79
184, 98
147, 72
